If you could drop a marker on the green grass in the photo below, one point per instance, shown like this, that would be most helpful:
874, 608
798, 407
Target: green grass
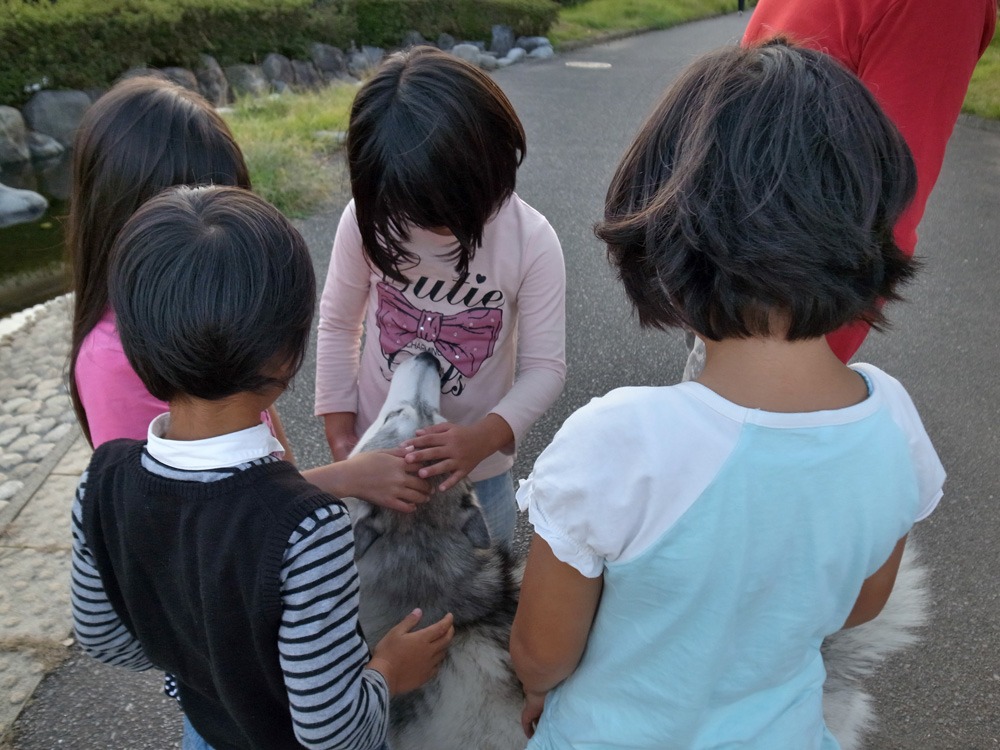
595, 18
290, 145
983, 98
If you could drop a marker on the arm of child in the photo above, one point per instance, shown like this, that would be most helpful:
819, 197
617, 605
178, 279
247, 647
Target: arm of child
340, 433
455, 449
337, 697
380, 477
876, 589
407, 658
98, 629
551, 627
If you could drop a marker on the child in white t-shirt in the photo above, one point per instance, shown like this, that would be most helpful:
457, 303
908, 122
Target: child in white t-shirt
696, 543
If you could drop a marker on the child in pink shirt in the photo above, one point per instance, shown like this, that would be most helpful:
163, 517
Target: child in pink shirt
437, 253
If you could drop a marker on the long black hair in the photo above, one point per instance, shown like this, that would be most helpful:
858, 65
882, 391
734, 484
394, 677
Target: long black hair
142, 136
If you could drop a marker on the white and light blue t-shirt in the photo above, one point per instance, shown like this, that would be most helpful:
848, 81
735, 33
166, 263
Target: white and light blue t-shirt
731, 541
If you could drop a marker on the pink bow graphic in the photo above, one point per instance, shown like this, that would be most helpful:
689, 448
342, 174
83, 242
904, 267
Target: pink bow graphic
465, 339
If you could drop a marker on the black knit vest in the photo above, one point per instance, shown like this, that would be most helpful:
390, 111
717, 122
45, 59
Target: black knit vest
192, 569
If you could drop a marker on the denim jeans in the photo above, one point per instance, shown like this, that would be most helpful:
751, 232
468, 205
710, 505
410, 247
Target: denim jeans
496, 496
191, 740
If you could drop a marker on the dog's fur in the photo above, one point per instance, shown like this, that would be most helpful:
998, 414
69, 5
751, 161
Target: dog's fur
440, 559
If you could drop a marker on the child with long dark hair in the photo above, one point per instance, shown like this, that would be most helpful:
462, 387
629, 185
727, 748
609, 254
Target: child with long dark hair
199, 551
695, 543
437, 253
145, 135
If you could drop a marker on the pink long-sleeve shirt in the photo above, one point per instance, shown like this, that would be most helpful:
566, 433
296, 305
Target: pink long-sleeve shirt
499, 332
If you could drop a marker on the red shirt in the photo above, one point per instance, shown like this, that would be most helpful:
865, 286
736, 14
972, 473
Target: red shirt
915, 56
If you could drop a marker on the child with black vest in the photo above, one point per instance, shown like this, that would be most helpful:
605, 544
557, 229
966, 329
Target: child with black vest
200, 551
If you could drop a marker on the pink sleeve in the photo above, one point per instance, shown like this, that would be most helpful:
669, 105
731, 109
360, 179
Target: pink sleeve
541, 335
115, 400
341, 318
917, 61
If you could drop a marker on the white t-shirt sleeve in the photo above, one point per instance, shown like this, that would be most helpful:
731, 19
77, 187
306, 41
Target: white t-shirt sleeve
620, 473
926, 463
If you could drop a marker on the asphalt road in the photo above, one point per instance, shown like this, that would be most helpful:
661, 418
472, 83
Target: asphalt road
945, 347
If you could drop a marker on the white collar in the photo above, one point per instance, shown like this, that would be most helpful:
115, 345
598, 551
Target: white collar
221, 451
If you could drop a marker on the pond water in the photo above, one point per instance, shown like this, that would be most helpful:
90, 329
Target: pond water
33, 256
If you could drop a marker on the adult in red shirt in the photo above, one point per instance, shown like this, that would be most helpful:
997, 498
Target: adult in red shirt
915, 56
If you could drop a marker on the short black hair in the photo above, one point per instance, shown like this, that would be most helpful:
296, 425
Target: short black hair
213, 292
432, 142
766, 180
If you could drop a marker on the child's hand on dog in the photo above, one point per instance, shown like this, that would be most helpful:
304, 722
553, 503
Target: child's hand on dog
380, 477
455, 449
408, 658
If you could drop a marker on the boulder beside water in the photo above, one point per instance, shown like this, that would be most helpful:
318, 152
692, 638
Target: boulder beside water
20, 206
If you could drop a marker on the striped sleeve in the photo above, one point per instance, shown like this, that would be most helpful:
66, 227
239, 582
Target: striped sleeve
335, 702
98, 629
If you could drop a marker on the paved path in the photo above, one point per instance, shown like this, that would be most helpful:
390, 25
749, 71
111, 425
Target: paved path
946, 348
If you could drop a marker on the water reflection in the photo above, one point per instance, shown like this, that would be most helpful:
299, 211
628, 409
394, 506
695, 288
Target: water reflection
32, 255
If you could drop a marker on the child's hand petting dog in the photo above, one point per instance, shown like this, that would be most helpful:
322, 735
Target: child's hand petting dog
380, 477
455, 449
408, 658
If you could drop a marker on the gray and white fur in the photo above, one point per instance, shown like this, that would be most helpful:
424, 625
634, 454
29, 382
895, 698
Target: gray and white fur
440, 559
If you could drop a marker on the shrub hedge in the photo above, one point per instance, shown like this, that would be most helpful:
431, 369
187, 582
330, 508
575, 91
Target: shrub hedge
84, 44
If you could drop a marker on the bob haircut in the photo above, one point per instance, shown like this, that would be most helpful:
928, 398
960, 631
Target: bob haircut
767, 180
433, 142
144, 135
213, 292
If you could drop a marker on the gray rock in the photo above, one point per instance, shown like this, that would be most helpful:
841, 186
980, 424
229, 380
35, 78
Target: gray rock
57, 433
306, 75
413, 39
55, 177
278, 71
468, 52
374, 55
44, 147
182, 77
480, 45
488, 62
20, 206
528, 43
502, 40
516, 54
357, 63
56, 113
329, 61
544, 52
9, 489
13, 137
247, 80
445, 42
23, 443
39, 452
212, 81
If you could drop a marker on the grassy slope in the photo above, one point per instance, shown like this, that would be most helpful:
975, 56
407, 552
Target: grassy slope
289, 141
984, 91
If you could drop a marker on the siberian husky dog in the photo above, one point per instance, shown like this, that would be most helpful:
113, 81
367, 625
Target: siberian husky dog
439, 558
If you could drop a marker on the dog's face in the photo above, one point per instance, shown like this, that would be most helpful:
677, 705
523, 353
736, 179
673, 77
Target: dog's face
413, 402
